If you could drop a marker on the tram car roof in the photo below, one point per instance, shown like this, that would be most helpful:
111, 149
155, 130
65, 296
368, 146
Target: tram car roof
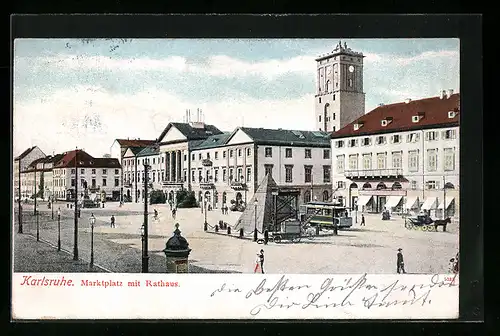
325, 204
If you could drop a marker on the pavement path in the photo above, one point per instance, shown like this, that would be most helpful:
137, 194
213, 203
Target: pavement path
369, 249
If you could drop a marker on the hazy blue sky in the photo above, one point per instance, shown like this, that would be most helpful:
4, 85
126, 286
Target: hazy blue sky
71, 93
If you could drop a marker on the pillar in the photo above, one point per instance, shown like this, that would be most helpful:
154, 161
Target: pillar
172, 166
179, 166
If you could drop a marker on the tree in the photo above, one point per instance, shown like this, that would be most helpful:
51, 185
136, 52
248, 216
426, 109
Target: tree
157, 197
41, 186
188, 201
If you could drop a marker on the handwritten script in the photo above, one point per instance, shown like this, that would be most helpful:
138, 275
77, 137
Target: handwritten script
335, 292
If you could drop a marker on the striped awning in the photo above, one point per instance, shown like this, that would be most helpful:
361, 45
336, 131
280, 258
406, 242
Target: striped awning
430, 203
364, 199
448, 202
410, 202
393, 201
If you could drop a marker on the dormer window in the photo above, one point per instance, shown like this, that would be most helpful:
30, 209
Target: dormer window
358, 125
451, 114
383, 122
415, 119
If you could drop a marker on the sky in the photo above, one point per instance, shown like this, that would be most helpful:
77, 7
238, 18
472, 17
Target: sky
70, 93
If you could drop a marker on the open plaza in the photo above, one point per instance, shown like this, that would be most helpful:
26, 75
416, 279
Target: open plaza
371, 248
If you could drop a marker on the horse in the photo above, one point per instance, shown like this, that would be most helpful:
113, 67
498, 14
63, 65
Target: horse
441, 222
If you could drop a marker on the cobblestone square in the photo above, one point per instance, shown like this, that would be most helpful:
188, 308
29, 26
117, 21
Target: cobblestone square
370, 249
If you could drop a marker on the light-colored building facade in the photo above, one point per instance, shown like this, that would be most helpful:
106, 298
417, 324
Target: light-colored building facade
339, 95
21, 162
229, 167
101, 176
401, 157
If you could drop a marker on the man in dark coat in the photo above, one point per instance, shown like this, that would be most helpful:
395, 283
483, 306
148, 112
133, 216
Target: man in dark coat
362, 220
400, 262
261, 257
266, 237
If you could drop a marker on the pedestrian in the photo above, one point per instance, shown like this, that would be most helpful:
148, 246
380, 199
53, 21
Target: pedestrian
266, 237
400, 262
362, 220
174, 211
261, 259
112, 221
257, 263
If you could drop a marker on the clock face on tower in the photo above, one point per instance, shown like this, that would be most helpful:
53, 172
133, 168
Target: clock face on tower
351, 69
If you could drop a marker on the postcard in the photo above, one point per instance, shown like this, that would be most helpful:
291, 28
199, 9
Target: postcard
236, 178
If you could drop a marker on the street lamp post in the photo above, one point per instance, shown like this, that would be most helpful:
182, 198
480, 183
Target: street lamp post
37, 227
255, 202
20, 230
75, 233
59, 230
92, 222
205, 224
145, 257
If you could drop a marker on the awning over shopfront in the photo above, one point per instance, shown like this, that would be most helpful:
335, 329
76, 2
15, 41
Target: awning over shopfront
364, 199
430, 203
410, 202
393, 201
448, 202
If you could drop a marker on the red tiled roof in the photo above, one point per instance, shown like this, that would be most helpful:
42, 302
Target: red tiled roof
85, 160
135, 143
435, 114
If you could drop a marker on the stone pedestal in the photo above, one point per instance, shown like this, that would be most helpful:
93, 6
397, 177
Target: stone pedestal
177, 253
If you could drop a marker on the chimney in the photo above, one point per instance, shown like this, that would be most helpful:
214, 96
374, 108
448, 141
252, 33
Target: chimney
189, 115
407, 100
443, 94
197, 114
450, 92
381, 104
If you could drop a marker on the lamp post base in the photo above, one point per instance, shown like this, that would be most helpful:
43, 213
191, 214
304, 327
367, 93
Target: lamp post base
145, 264
255, 235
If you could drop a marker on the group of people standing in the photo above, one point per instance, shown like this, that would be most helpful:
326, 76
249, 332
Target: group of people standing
224, 209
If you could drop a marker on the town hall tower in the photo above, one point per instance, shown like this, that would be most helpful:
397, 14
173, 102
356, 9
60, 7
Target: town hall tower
339, 95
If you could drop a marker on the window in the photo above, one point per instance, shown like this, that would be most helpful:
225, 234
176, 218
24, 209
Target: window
249, 174
350, 82
223, 154
268, 169
319, 100
231, 153
333, 118
117, 172
93, 171
93, 183
193, 172
240, 176
163, 158
326, 196
414, 185
216, 155
163, 175
72, 182
207, 175
366, 142
224, 177
397, 159
449, 134
104, 182
104, 171
185, 174
288, 152
82, 171
199, 156
153, 160
339, 143
307, 196
200, 175
431, 136
380, 140
239, 152
326, 154
117, 182
249, 151
327, 172
208, 155
449, 159
307, 153
319, 117
216, 175
413, 137
432, 159
367, 161
341, 184
340, 164
353, 162
413, 161
352, 143
381, 160
185, 158
432, 185
396, 138
268, 152
288, 173
231, 175
192, 157
154, 176
307, 174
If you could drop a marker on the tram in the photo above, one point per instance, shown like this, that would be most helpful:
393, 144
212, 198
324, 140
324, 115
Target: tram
325, 215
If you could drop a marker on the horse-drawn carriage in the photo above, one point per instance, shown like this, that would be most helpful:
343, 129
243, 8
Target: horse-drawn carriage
425, 223
291, 230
